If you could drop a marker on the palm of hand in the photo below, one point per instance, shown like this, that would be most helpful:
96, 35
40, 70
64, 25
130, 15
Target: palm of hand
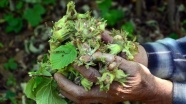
117, 93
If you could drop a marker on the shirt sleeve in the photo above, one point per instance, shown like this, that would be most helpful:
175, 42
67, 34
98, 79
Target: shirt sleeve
167, 60
179, 93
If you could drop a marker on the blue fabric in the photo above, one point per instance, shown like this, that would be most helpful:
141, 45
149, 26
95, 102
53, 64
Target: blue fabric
179, 93
167, 60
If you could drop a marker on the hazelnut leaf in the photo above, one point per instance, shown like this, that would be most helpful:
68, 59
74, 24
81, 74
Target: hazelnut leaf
63, 56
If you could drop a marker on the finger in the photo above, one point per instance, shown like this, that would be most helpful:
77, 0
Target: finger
85, 99
76, 90
91, 73
68, 86
106, 37
69, 96
92, 96
97, 100
79, 95
97, 94
128, 66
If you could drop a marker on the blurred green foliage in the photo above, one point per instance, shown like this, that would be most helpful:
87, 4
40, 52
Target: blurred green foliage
10, 65
11, 81
183, 23
1, 45
19, 5
38, 10
3, 3
129, 27
46, 2
11, 96
111, 15
29, 10
174, 36
13, 24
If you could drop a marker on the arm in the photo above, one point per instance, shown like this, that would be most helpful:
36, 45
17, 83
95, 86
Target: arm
167, 60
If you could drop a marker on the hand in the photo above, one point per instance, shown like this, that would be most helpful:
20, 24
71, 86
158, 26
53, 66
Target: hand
141, 85
141, 57
79, 95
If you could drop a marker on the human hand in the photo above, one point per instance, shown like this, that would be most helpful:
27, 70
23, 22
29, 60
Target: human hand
79, 95
141, 85
140, 57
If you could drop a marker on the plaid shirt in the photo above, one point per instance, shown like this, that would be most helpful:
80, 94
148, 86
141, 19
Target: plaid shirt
167, 60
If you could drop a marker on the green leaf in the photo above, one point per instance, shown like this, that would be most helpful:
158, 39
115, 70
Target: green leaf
46, 73
38, 80
3, 3
29, 90
48, 95
44, 70
112, 16
40, 73
129, 27
104, 5
63, 56
11, 64
33, 15
10, 94
13, 24
34, 85
19, 5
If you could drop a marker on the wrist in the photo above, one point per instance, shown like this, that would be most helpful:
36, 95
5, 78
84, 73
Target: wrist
161, 91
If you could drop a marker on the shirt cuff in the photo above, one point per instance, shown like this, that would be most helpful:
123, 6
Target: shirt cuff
160, 60
179, 93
